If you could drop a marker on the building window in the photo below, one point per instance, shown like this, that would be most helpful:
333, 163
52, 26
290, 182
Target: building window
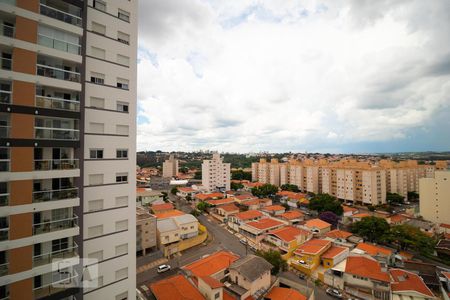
97, 102
123, 60
123, 37
217, 295
97, 78
122, 83
121, 225
122, 106
95, 205
96, 153
122, 177
122, 153
123, 15
100, 5
98, 28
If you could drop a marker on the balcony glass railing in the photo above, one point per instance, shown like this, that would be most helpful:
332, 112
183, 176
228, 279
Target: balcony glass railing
60, 15
4, 131
48, 258
4, 165
54, 195
6, 63
7, 30
4, 199
58, 44
5, 96
52, 72
55, 225
57, 103
55, 164
4, 234
4, 269
65, 281
56, 133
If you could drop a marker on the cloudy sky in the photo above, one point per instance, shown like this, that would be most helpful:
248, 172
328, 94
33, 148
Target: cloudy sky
278, 75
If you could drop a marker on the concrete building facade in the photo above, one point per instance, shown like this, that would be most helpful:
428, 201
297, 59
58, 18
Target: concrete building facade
434, 198
216, 174
170, 167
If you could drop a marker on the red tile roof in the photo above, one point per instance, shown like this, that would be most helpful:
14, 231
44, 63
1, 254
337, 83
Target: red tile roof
445, 225
220, 201
361, 215
373, 249
211, 264
274, 208
280, 293
186, 189
248, 215
446, 274
175, 288
293, 214
313, 247
229, 207
266, 223
212, 282
162, 206
349, 209
288, 233
334, 251
169, 214
208, 196
365, 267
408, 281
245, 197
251, 202
317, 223
397, 218
338, 234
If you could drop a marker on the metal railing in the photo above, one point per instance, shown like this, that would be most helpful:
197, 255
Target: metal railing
55, 286
60, 15
56, 133
4, 165
4, 131
57, 73
55, 225
58, 44
57, 103
53, 195
4, 234
6, 63
4, 199
47, 258
55, 164
4, 269
5, 96
7, 30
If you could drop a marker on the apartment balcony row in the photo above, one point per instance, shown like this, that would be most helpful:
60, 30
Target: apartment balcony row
46, 195
43, 102
61, 281
44, 165
61, 11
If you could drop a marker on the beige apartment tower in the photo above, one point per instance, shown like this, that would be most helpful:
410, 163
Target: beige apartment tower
435, 197
216, 174
170, 167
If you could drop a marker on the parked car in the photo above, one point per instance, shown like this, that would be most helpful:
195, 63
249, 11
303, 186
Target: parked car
163, 268
243, 241
334, 292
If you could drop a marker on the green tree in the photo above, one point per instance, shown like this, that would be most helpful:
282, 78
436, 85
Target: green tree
413, 196
202, 206
275, 259
407, 237
394, 198
184, 170
241, 175
195, 212
290, 187
165, 196
174, 190
372, 229
265, 190
236, 186
198, 175
325, 202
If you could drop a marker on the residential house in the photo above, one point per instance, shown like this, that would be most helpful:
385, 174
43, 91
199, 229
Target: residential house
174, 229
396, 219
183, 192
210, 288
161, 208
334, 255
235, 221
286, 239
249, 185
408, 285
254, 231
219, 202
225, 211
175, 288
274, 210
349, 211
383, 255
282, 293
293, 217
424, 226
145, 231
169, 214
146, 196
244, 197
256, 204
168, 231
317, 226
208, 196
249, 276
307, 255
188, 225
342, 238
358, 217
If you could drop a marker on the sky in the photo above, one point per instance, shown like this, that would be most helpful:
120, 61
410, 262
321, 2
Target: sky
353, 76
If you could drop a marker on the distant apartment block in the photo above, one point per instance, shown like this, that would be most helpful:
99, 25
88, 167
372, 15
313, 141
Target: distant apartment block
216, 174
67, 147
435, 198
145, 231
170, 167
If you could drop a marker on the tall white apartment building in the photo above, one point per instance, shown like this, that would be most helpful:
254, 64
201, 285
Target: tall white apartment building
435, 198
67, 148
216, 174
170, 167
296, 174
274, 172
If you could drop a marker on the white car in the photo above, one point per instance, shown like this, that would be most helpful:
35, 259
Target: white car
243, 241
334, 293
163, 268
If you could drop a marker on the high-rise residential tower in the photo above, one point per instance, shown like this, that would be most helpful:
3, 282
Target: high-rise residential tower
67, 148
215, 174
435, 197
170, 167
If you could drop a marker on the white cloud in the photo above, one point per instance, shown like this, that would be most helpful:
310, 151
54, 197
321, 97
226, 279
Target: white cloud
288, 75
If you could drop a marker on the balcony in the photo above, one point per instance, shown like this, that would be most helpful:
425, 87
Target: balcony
55, 225
57, 73
57, 103
4, 269
47, 258
5, 96
4, 199
4, 131
6, 63
4, 234
55, 164
58, 44
71, 17
4, 165
54, 195
49, 133
7, 30
65, 280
